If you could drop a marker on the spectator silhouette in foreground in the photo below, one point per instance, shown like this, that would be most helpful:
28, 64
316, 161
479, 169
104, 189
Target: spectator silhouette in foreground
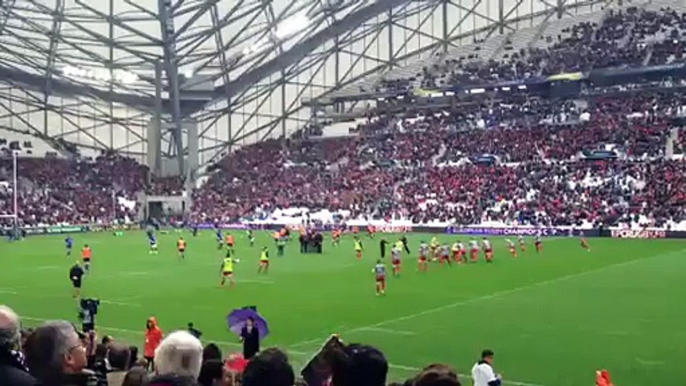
136, 376
178, 360
119, 359
212, 373
358, 365
12, 369
269, 368
210, 352
100, 364
57, 357
437, 375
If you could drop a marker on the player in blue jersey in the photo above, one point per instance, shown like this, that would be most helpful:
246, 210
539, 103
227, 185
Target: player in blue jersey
150, 231
220, 239
69, 244
153, 244
380, 273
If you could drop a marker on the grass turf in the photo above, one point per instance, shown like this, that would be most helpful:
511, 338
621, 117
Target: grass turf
552, 319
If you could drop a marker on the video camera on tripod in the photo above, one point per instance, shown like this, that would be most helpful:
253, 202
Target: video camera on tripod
89, 309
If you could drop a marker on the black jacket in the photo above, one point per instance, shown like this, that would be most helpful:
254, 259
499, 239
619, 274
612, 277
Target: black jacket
85, 378
172, 380
13, 373
251, 342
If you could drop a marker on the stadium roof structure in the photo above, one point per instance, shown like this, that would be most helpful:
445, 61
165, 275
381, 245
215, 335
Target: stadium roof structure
94, 73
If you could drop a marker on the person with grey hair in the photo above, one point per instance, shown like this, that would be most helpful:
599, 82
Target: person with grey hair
12, 369
178, 360
57, 357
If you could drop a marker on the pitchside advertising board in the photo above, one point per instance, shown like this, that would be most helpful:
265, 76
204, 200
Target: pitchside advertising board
521, 231
321, 228
645, 233
61, 229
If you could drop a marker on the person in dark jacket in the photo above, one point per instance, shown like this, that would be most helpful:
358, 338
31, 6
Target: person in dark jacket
250, 337
318, 241
406, 246
382, 247
12, 369
303, 243
100, 364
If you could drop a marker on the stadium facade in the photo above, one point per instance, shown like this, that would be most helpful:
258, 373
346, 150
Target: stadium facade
154, 79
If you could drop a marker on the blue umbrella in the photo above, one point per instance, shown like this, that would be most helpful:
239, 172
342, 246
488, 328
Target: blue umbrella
238, 318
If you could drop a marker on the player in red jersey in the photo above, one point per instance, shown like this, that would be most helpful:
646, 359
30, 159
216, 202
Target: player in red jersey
463, 252
538, 243
455, 250
488, 250
511, 246
474, 250
396, 261
423, 257
370, 231
444, 254
336, 237
584, 244
380, 273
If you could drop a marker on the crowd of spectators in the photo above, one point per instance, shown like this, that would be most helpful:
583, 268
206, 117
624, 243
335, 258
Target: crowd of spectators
57, 354
607, 192
54, 190
58, 190
513, 159
426, 166
633, 36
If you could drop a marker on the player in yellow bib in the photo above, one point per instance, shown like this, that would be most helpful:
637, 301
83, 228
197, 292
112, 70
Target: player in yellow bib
227, 271
433, 247
264, 261
358, 248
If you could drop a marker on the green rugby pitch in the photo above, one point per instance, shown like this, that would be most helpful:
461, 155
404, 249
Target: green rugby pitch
552, 319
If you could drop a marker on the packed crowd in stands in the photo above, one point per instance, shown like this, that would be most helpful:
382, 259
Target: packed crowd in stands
57, 354
57, 190
424, 167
